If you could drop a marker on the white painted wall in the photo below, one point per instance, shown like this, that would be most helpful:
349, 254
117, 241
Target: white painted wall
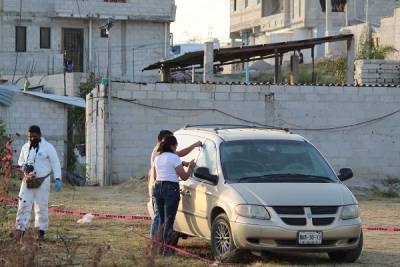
372, 150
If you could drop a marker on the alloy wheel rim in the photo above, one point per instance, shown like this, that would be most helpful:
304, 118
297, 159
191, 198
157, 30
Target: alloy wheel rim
222, 238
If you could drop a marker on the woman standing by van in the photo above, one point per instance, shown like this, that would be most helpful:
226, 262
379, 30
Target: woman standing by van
168, 169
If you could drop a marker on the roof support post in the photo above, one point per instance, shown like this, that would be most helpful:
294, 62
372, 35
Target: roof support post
328, 25
208, 66
294, 69
193, 75
165, 74
351, 56
313, 78
278, 67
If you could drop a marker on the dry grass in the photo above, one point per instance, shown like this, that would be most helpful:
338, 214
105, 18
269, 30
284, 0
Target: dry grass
114, 243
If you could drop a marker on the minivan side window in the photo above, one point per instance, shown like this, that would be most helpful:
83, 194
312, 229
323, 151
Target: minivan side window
187, 140
208, 157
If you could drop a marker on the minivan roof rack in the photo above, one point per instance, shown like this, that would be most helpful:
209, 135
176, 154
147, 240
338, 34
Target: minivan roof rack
224, 126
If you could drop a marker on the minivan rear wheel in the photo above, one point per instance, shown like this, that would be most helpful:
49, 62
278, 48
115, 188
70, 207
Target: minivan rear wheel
348, 255
222, 243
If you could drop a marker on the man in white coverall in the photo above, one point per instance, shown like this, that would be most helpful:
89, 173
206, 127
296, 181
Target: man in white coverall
38, 159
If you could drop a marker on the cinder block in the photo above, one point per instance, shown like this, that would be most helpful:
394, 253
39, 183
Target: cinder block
161, 87
236, 96
252, 96
154, 95
170, 95
201, 96
235, 88
132, 86
181, 87
223, 88
185, 95
125, 94
139, 95
221, 96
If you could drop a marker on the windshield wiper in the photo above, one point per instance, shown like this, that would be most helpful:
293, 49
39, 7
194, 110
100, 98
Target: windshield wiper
292, 177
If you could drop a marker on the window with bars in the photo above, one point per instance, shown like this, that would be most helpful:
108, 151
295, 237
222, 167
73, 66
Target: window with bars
45, 42
20, 39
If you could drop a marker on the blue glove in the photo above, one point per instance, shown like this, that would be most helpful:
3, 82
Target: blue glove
57, 184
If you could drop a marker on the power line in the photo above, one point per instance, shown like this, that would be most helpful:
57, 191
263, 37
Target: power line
134, 101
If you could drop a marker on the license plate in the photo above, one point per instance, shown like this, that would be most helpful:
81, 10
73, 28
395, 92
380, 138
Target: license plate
309, 238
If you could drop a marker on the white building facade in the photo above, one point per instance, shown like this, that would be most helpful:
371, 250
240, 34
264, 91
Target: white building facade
269, 21
39, 36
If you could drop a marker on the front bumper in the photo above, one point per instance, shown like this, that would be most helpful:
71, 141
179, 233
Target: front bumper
269, 236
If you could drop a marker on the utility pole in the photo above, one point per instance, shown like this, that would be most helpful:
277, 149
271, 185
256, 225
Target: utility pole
107, 119
65, 70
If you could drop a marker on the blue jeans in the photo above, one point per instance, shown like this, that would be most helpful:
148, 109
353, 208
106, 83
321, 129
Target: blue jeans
167, 197
155, 222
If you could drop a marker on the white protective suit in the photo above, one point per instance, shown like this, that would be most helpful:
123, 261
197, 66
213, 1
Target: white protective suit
46, 161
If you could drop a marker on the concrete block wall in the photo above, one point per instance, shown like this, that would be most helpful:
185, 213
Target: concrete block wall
27, 110
377, 72
140, 111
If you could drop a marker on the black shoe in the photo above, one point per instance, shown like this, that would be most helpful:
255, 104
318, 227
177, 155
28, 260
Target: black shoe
40, 235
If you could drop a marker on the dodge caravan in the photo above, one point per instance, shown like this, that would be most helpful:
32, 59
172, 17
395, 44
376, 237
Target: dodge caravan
260, 190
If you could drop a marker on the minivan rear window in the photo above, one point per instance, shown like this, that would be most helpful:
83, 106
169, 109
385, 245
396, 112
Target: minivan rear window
259, 161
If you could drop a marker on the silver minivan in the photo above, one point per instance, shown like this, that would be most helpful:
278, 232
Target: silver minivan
260, 190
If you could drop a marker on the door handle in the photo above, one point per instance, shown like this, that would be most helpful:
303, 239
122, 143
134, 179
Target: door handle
208, 193
185, 192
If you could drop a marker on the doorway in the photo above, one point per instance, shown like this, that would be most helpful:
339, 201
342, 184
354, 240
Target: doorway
73, 48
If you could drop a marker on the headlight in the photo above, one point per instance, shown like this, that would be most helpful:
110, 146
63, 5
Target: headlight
349, 212
253, 211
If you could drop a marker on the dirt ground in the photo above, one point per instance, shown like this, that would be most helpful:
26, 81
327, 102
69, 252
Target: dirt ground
125, 243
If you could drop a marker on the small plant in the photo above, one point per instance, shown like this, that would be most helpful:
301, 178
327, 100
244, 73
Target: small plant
335, 67
368, 50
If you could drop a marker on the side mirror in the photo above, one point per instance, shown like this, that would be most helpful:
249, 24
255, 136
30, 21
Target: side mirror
345, 174
204, 173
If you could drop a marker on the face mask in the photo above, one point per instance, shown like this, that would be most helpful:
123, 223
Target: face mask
35, 143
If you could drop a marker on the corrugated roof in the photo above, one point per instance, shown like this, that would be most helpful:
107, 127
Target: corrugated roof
7, 91
68, 100
5, 97
242, 54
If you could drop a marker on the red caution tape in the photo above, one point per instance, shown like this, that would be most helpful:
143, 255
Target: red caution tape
14, 202
381, 228
176, 249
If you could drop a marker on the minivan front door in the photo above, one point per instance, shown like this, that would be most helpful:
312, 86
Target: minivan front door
198, 195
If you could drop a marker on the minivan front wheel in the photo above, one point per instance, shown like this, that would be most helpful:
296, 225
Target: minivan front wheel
221, 238
348, 255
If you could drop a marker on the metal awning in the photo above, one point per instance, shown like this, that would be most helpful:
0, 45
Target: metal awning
224, 56
68, 100
8, 90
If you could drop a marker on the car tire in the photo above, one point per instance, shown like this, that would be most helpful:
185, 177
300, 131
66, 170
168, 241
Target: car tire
348, 255
222, 243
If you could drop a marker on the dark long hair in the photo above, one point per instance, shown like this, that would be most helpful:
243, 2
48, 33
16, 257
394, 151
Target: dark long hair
166, 143
163, 134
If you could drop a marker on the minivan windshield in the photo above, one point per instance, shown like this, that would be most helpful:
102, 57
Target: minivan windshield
269, 161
